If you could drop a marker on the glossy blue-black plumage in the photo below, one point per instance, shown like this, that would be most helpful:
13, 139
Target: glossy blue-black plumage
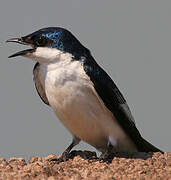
57, 37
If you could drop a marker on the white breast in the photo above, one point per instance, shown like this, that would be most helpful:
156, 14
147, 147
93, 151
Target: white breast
76, 103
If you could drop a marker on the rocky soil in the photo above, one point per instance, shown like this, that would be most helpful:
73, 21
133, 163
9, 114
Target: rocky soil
85, 165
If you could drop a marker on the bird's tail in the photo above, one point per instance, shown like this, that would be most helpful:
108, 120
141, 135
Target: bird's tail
148, 147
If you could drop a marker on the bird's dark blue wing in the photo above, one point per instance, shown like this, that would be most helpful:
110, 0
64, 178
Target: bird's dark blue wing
113, 99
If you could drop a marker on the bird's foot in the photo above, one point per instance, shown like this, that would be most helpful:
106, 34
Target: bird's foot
106, 157
66, 154
64, 157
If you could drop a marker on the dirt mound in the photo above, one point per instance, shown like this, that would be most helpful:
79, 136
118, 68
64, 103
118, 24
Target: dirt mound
84, 165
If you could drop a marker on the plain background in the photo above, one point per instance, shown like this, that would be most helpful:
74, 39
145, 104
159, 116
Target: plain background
131, 40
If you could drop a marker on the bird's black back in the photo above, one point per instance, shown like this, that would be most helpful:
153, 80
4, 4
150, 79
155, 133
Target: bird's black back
113, 99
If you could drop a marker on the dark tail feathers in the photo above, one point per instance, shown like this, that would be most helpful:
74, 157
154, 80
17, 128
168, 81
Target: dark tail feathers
145, 146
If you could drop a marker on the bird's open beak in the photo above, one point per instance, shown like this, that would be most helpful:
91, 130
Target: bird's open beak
16, 40
20, 53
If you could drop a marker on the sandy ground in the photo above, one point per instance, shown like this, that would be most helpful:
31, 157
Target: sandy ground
84, 165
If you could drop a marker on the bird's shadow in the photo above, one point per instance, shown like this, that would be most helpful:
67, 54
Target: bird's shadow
91, 156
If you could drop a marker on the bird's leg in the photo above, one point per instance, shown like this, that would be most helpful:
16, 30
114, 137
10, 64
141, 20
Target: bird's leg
65, 154
105, 156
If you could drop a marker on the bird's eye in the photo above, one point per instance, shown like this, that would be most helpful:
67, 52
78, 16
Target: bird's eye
41, 41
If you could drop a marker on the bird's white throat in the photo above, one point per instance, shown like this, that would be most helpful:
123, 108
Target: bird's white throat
46, 55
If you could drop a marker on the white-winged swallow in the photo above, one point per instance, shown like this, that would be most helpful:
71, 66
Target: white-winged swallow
81, 93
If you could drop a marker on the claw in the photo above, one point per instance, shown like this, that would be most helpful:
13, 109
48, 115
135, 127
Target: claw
64, 157
108, 155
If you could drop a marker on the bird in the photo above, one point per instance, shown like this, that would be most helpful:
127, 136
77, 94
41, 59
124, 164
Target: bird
83, 96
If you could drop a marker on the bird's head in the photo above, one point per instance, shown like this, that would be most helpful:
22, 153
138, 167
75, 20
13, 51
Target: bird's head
48, 44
